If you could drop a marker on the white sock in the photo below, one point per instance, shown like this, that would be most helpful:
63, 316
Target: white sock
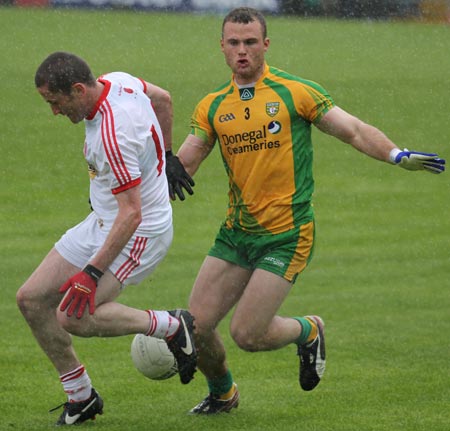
162, 324
76, 384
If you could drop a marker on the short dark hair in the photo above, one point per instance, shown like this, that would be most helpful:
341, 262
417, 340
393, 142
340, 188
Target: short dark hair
60, 70
244, 15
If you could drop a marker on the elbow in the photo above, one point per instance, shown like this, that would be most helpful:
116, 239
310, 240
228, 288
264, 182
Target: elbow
132, 218
136, 218
165, 100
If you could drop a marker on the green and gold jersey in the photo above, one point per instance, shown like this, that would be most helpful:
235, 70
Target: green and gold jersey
264, 134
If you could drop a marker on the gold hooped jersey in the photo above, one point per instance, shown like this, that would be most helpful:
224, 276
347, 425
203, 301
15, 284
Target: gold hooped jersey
264, 134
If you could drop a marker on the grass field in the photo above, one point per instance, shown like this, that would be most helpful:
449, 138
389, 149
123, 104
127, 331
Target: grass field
381, 274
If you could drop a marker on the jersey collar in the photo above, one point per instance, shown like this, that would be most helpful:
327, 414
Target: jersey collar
101, 99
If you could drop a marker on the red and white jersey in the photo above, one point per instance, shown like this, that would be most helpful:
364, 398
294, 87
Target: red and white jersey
124, 147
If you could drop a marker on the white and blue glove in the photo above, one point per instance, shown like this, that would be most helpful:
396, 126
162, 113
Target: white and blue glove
416, 161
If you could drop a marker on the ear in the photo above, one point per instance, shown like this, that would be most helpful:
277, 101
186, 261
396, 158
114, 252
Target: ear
79, 89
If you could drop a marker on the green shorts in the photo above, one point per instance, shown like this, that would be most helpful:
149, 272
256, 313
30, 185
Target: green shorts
285, 254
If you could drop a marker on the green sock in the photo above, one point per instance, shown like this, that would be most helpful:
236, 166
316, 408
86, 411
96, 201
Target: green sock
306, 330
221, 385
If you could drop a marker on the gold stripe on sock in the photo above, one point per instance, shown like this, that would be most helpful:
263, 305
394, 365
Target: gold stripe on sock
314, 330
229, 394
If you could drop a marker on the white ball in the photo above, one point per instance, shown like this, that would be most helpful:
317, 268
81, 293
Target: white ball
152, 357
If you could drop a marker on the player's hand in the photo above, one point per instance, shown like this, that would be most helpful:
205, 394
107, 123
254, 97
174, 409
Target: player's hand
81, 291
415, 161
177, 177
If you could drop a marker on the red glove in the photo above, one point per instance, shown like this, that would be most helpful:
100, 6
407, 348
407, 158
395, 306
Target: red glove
81, 287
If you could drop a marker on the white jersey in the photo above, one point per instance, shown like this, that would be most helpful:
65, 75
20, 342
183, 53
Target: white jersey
124, 147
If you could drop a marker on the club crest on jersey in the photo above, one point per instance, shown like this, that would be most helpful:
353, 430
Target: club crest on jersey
272, 108
246, 93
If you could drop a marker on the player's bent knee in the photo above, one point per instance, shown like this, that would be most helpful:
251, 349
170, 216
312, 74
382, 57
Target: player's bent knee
29, 304
22, 301
203, 328
246, 341
35, 303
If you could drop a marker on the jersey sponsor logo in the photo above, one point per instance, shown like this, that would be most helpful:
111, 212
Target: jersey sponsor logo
274, 127
253, 140
246, 93
226, 117
251, 137
272, 108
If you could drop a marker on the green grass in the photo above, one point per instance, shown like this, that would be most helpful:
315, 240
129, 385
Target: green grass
380, 276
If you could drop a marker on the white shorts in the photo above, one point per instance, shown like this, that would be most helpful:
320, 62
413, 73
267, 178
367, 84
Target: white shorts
137, 260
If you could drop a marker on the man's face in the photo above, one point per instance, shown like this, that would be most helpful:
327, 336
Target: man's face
70, 105
244, 48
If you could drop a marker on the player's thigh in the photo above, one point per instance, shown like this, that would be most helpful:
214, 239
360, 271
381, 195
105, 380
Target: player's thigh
218, 287
44, 283
260, 302
108, 289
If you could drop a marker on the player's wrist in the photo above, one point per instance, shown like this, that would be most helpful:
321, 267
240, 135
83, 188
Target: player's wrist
393, 155
93, 272
169, 153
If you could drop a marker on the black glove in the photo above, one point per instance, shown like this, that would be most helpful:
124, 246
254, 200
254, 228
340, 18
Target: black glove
177, 177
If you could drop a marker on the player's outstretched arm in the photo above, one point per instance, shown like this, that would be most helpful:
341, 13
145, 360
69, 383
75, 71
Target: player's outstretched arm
371, 141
